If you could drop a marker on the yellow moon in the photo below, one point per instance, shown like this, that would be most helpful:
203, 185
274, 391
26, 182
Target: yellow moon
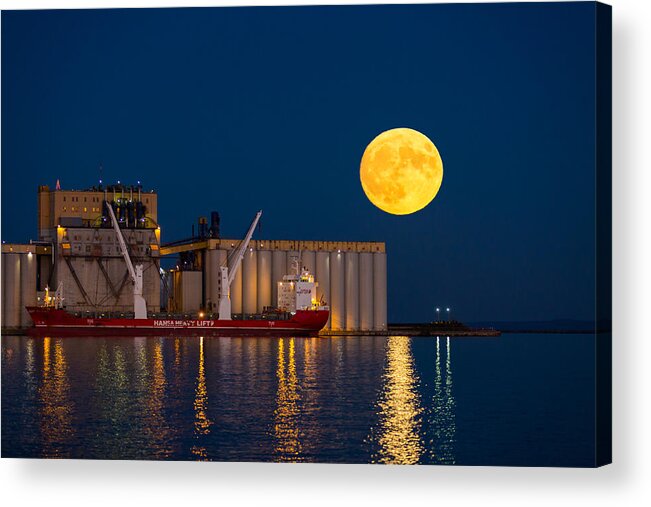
401, 171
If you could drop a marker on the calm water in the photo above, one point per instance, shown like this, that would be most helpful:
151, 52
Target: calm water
513, 400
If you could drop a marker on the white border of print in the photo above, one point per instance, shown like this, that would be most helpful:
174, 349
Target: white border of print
626, 482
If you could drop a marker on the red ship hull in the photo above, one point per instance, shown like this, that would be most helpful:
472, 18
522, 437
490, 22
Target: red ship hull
60, 322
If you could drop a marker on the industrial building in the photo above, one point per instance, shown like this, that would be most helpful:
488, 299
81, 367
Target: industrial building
20, 280
84, 208
351, 277
77, 247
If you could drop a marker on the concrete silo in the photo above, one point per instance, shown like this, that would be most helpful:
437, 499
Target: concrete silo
264, 280
352, 291
322, 276
366, 291
11, 296
380, 291
278, 270
337, 290
250, 282
27, 286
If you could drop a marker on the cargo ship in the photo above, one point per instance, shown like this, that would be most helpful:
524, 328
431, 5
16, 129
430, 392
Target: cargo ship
299, 313
58, 321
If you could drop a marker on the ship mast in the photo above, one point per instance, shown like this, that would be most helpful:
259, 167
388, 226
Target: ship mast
227, 276
139, 303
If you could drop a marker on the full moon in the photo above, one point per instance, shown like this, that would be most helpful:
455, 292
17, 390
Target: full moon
401, 171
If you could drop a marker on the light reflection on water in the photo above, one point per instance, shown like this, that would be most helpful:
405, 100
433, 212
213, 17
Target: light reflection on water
201, 422
409, 432
130, 392
286, 430
399, 407
56, 405
340, 399
442, 426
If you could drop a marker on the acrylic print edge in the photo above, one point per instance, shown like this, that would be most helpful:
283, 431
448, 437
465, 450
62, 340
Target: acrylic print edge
603, 210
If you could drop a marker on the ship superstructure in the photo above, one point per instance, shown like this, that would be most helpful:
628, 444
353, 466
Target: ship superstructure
298, 292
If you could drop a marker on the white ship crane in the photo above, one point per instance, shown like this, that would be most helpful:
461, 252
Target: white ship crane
227, 276
139, 303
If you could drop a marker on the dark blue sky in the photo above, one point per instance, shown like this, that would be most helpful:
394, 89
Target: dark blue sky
271, 108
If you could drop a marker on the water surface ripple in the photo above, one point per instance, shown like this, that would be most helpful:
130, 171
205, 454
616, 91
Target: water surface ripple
512, 400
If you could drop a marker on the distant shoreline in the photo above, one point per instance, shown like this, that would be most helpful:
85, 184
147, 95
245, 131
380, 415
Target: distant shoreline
452, 328
556, 331
455, 328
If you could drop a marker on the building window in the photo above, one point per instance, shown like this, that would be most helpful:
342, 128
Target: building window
85, 209
64, 209
64, 198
